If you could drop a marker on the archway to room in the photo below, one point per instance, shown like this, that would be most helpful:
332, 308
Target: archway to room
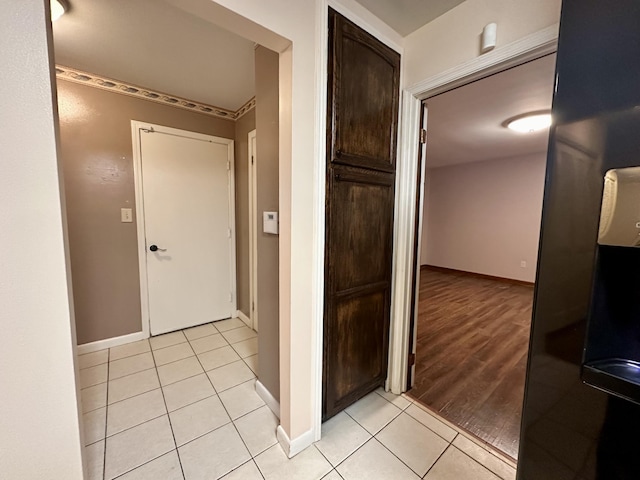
148, 69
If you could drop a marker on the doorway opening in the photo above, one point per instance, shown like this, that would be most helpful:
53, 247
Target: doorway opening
481, 212
203, 356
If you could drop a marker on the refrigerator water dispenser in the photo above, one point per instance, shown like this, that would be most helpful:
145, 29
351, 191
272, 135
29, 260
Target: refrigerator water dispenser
611, 359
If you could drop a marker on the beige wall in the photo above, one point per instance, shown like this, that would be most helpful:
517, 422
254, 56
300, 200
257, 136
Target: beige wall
298, 21
267, 114
484, 217
40, 432
96, 150
244, 125
454, 38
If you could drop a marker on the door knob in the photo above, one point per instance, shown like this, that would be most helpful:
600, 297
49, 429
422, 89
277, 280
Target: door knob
154, 248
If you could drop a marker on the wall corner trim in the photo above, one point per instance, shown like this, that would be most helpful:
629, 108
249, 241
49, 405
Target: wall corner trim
269, 399
244, 318
111, 342
293, 447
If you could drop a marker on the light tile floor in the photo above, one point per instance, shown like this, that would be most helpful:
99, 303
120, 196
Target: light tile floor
183, 406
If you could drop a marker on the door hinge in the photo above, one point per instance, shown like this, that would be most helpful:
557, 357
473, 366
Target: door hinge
229, 232
412, 359
230, 297
253, 306
251, 159
423, 135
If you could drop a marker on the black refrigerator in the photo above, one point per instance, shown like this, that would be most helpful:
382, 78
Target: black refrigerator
581, 418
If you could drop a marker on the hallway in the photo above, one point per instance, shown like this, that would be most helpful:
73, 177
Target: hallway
183, 406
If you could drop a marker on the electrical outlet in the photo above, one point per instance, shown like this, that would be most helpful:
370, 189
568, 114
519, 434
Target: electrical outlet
523, 264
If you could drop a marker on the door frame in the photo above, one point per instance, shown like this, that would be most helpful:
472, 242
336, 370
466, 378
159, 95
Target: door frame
408, 216
136, 126
253, 231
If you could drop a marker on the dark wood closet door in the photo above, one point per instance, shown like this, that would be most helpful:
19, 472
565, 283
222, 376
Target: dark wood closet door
363, 94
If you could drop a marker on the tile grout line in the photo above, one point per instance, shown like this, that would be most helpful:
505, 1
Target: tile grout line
133, 396
249, 367
251, 460
92, 366
402, 461
106, 418
352, 453
477, 441
155, 368
173, 361
154, 458
329, 461
152, 368
440, 456
476, 461
373, 436
173, 435
433, 431
231, 420
368, 440
383, 426
491, 454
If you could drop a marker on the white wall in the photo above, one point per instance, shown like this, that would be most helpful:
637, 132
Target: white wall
454, 38
425, 216
484, 217
39, 420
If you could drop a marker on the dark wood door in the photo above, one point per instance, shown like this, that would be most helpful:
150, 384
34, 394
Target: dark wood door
362, 113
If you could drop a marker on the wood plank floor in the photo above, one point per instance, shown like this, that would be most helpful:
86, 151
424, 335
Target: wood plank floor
473, 336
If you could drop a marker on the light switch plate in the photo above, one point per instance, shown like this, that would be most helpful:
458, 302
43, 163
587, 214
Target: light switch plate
126, 215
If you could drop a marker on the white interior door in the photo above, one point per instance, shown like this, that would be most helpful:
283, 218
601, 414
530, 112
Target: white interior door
187, 196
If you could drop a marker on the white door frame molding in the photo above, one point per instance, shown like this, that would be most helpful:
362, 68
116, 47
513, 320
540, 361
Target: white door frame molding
526, 49
139, 205
253, 231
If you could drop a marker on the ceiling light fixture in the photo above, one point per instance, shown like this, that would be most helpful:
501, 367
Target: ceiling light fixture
58, 8
529, 122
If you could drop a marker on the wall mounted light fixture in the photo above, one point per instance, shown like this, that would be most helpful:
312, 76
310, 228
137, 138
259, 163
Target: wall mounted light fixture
58, 8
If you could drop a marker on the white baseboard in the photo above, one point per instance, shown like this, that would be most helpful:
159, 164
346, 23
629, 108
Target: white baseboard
110, 342
244, 318
269, 399
293, 447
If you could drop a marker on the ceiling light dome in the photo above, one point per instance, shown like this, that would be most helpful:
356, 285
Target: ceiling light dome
530, 122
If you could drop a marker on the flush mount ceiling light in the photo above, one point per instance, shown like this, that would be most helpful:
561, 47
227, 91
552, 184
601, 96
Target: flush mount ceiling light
58, 8
529, 122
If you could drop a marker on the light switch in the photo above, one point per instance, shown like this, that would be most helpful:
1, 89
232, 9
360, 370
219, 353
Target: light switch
270, 222
126, 215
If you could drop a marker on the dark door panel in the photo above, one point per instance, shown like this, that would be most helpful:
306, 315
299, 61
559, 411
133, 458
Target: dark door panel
361, 149
360, 228
364, 93
359, 343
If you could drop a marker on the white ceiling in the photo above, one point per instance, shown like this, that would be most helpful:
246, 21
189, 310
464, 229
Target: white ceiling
155, 45
466, 124
406, 16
